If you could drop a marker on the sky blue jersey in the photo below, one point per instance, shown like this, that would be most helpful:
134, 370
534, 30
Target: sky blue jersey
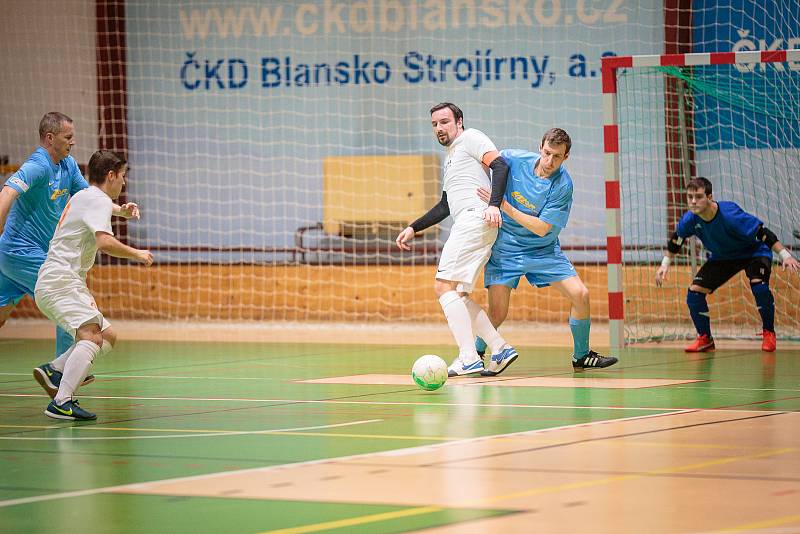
44, 189
549, 199
730, 235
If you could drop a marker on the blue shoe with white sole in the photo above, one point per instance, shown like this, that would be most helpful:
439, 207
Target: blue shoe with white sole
500, 361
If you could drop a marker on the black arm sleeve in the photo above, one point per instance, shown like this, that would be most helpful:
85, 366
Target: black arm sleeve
435, 215
766, 235
674, 244
499, 179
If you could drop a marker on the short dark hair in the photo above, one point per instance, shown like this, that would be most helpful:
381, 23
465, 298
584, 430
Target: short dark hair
51, 123
101, 163
699, 183
557, 136
457, 113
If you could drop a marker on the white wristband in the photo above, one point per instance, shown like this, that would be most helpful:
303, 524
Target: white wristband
665, 261
784, 254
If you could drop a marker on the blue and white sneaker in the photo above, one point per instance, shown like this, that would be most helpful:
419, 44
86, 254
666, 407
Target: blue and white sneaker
50, 379
500, 361
458, 368
69, 410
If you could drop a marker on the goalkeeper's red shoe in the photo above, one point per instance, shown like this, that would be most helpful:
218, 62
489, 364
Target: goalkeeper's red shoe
769, 343
703, 343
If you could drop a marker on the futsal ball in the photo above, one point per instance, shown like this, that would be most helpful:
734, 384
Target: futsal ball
429, 372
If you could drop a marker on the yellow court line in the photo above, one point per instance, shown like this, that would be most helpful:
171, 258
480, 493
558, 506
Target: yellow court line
539, 491
787, 520
275, 432
41, 427
370, 436
364, 519
482, 503
604, 481
712, 446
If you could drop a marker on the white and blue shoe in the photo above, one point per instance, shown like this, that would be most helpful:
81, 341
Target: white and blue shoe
500, 361
458, 368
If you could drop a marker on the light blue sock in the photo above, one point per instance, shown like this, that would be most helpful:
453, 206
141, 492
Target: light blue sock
580, 336
63, 341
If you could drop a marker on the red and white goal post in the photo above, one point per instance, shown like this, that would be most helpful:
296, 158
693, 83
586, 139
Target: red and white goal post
732, 117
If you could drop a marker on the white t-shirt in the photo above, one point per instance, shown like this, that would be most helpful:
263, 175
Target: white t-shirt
73, 247
463, 171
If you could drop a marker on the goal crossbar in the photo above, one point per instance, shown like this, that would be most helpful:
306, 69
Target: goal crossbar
611, 66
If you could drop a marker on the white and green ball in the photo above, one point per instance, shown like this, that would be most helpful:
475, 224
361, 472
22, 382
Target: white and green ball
429, 372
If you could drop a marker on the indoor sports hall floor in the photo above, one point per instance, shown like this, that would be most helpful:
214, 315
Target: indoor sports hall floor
276, 437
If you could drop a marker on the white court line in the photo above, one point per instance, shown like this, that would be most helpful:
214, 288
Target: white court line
172, 436
393, 452
393, 403
251, 378
176, 377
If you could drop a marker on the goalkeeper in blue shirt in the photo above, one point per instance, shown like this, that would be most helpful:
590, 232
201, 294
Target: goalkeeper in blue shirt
31, 202
736, 240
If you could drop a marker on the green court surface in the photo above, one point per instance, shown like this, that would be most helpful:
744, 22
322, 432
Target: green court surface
169, 410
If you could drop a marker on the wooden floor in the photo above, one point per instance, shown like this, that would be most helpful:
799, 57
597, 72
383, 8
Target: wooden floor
319, 437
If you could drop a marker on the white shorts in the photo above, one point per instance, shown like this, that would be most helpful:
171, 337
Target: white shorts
70, 308
466, 251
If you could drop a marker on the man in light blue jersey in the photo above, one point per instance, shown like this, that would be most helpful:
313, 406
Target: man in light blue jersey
31, 203
535, 209
736, 241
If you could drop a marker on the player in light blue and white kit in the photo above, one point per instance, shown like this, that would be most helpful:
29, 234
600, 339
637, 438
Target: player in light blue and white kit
31, 203
535, 209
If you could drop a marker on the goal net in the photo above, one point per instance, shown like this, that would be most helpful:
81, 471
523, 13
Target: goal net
732, 118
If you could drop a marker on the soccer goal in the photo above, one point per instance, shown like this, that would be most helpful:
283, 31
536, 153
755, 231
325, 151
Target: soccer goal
731, 117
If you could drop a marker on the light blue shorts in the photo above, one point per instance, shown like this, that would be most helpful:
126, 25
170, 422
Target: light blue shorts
541, 271
18, 274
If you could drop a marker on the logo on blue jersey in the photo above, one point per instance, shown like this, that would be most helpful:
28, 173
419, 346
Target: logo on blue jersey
58, 192
522, 200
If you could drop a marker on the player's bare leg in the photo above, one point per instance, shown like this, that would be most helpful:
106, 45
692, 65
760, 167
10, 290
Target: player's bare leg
583, 357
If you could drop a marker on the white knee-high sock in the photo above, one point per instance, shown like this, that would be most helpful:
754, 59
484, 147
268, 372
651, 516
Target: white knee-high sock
76, 369
460, 325
483, 326
59, 363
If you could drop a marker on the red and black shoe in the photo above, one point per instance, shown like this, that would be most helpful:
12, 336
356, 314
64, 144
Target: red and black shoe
703, 343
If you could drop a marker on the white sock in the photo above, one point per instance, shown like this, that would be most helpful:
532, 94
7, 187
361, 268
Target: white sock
460, 325
59, 363
76, 369
483, 326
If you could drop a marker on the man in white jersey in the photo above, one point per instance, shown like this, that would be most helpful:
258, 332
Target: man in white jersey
61, 292
469, 154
